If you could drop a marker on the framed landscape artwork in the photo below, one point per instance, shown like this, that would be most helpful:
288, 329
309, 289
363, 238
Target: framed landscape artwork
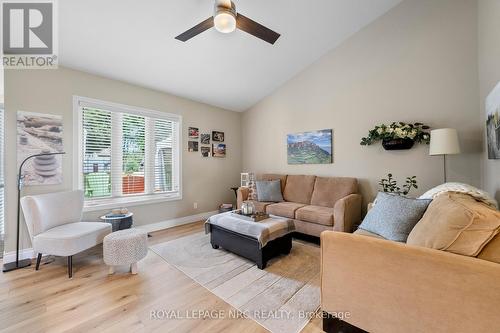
219, 150
493, 123
315, 147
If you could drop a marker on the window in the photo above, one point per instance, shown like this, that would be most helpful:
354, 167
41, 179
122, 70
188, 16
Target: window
126, 155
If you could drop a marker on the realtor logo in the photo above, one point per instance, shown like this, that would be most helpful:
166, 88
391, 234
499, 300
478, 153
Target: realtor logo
29, 34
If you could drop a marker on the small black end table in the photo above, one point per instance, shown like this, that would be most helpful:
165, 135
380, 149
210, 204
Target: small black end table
119, 222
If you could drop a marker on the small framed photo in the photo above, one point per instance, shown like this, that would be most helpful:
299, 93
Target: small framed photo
219, 150
194, 133
205, 151
217, 136
192, 146
245, 179
205, 139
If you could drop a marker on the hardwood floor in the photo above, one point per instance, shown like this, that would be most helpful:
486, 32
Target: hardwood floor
47, 301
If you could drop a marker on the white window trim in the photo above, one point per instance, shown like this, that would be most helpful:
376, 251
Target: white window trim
133, 200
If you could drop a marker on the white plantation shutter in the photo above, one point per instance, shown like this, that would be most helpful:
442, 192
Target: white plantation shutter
165, 151
133, 154
128, 152
96, 153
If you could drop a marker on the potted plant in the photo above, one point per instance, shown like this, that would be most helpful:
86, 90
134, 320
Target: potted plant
390, 185
398, 135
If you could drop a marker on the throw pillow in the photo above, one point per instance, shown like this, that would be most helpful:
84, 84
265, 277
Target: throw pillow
457, 223
269, 191
394, 216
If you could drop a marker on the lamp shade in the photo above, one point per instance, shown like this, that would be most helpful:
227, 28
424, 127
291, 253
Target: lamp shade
444, 141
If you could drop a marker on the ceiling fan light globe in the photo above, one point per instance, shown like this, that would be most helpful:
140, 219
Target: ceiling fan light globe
225, 22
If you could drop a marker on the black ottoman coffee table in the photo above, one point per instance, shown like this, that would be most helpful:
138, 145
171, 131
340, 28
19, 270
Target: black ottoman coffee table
257, 241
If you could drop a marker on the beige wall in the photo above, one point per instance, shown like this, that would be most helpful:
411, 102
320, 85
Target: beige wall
489, 75
205, 181
416, 63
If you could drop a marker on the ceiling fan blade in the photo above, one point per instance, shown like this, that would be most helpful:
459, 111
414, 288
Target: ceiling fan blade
196, 30
256, 29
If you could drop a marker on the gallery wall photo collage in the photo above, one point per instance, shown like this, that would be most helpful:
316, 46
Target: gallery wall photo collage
210, 145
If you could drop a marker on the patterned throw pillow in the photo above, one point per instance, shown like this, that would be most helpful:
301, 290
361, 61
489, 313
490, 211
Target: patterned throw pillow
394, 216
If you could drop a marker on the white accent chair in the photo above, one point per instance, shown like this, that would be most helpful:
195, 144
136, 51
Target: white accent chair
55, 227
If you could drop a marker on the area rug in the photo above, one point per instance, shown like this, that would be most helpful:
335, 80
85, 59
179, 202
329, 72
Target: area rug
282, 298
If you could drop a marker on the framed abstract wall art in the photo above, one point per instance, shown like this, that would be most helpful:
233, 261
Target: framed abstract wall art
493, 123
40, 133
205, 139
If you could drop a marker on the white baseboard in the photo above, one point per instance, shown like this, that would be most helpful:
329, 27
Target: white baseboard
23, 254
29, 254
176, 222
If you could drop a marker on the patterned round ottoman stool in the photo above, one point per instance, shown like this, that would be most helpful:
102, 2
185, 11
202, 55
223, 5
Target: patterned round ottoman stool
125, 247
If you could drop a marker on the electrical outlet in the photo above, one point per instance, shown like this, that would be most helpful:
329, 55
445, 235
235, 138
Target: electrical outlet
195, 205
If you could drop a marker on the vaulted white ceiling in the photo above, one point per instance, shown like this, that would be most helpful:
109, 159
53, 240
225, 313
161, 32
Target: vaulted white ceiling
133, 41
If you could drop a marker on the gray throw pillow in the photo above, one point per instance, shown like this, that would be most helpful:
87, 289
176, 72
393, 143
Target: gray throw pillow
393, 216
269, 190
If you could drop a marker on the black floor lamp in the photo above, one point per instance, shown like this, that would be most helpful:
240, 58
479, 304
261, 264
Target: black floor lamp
25, 262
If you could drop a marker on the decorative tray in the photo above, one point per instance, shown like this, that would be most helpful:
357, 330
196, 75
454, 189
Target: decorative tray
257, 217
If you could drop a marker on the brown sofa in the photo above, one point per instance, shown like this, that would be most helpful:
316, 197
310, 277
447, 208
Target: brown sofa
385, 286
314, 203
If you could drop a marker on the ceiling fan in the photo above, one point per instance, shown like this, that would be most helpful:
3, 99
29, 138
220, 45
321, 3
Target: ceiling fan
226, 20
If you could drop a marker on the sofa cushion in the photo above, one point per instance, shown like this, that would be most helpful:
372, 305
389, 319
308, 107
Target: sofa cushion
362, 232
273, 176
491, 251
456, 223
285, 209
269, 190
311, 229
299, 189
394, 216
328, 190
260, 206
315, 214
72, 238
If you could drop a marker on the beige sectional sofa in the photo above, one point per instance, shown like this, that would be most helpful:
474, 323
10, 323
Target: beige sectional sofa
384, 286
314, 203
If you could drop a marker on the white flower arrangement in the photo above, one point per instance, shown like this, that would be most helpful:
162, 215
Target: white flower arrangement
398, 130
